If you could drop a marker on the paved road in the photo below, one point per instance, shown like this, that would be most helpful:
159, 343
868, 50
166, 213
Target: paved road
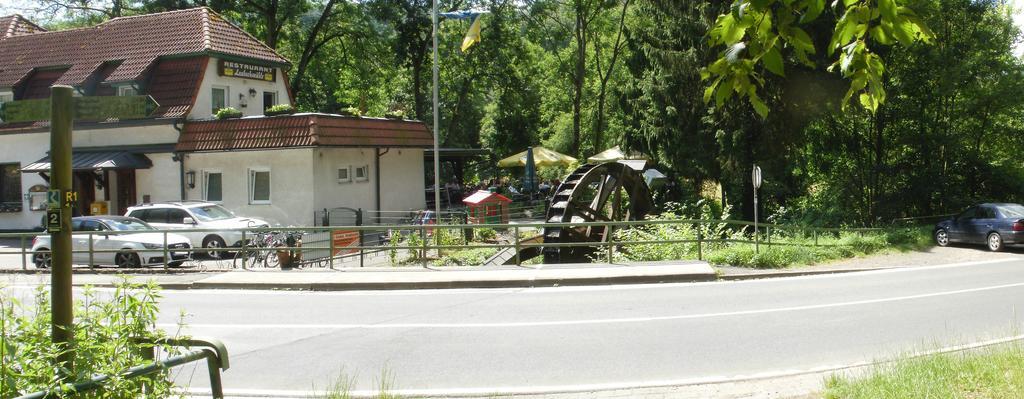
591, 338
521, 340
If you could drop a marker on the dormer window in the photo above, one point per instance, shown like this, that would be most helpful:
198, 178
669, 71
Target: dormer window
127, 91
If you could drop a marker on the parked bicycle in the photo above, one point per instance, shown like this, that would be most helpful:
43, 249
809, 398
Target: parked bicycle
260, 250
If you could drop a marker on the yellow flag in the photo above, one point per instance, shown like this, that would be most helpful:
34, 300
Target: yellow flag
473, 36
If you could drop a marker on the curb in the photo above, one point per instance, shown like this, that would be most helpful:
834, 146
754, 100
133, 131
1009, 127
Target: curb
755, 276
463, 284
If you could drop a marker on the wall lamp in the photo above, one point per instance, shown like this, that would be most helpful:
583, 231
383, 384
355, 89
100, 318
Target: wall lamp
190, 178
252, 92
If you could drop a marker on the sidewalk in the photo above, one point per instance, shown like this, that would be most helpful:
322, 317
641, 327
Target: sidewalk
406, 278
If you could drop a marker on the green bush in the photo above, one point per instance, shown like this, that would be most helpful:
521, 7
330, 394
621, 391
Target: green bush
108, 330
485, 234
228, 113
467, 257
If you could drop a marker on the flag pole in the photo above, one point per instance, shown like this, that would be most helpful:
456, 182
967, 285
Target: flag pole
437, 152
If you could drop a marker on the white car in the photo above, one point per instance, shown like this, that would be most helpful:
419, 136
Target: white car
198, 215
139, 245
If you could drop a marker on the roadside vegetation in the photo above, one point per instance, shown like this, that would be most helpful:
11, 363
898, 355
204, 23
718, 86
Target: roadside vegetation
342, 387
109, 331
724, 243
992, 373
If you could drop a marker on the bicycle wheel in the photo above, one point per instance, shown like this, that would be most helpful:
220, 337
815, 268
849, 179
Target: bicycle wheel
271, 260
251, 256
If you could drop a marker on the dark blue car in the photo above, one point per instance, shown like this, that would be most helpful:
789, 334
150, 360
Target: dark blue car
995, 225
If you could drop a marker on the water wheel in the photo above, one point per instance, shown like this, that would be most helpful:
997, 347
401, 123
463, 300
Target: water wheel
610, 191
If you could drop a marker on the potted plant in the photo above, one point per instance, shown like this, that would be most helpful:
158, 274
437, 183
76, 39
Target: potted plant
280, 109
350, 111
396, 114
228, 113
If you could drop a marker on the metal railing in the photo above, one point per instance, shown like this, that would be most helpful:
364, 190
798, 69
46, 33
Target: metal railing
420, 240
213, 351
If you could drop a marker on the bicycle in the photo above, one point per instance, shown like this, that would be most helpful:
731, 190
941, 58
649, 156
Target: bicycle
259, 250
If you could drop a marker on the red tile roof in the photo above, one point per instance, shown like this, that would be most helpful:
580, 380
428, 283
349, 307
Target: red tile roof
15, 25
135, 41
174, 84
302, 130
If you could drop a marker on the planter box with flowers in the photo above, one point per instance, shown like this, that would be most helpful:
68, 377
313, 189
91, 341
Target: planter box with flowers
280, 109
228, 113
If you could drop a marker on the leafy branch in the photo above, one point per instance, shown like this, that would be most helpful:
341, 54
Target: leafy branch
755, 33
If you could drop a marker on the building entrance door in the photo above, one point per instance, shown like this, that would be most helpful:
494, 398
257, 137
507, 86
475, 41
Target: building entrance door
125, 190
84, 183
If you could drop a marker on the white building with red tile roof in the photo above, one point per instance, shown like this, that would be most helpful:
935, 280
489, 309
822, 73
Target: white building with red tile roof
192, 63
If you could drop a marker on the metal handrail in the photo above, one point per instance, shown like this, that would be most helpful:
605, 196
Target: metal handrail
213, 351
423, 230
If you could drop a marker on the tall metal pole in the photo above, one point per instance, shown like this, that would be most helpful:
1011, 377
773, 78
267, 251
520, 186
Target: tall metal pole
437, 133
61, 113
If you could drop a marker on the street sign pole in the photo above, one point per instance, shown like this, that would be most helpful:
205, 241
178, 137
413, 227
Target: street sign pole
755, 178
61, 112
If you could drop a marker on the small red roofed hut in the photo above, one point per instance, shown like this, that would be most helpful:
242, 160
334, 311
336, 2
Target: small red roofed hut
486, 207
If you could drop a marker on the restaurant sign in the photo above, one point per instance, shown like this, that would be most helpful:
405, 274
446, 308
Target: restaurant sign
246, 71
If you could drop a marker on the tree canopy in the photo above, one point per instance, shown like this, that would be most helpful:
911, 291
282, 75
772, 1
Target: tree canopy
706, 89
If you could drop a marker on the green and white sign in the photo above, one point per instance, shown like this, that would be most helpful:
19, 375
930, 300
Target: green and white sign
85, 108
53, 199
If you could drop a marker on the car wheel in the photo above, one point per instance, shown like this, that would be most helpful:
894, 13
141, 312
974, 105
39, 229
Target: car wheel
212, 243
942, 237
127, 260
42, 260
995, 242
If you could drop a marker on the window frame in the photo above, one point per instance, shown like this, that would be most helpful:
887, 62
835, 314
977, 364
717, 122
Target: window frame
18, 198
252, 186
121, 90
275, 102
227, 97
348, 174
206, 185
366, 173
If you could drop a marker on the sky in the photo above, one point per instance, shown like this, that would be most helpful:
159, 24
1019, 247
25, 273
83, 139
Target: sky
8, 7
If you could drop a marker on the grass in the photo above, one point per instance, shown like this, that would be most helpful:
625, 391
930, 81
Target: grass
992, 373
785, 249
342, 387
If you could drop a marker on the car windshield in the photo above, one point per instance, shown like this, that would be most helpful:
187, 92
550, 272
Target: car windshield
211, 212
1012, 211
127, 225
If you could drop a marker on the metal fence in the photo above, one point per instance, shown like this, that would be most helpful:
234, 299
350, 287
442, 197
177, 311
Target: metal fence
353, 246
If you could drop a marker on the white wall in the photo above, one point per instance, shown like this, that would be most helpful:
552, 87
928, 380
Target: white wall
401, 172
329, 193
202, 108
162, 182
402, 180
291, 182
24, 149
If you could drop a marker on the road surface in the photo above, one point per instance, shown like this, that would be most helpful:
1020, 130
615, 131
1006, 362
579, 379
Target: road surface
593, 338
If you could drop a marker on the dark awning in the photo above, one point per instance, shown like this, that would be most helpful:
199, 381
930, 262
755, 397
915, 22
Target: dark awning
93, 160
